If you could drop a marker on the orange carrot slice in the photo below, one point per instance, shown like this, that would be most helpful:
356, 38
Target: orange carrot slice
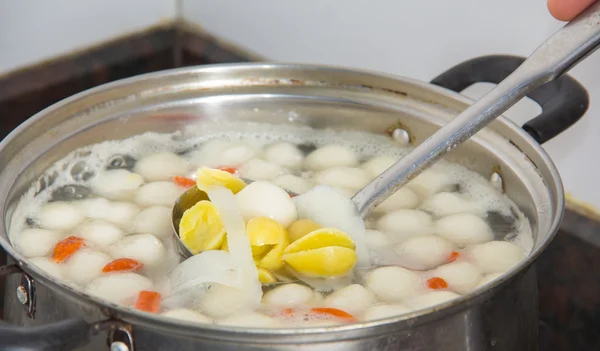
437, 283
333, 312
123, 265
67, 247
231, 170
148, 301
184, 182
288, 312
455, 255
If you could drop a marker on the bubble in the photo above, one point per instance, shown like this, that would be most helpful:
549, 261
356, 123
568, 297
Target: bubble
70, 192
307, 148
45, 181
121, 162
501, 225
80, 172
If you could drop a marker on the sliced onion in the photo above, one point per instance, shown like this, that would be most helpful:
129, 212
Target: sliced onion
214, 266
192, 278
329, 208
238, 242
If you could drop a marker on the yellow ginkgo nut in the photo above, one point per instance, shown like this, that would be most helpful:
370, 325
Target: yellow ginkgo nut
302, 227
320, 238
326, 262
266, 277
209, 177
201, 229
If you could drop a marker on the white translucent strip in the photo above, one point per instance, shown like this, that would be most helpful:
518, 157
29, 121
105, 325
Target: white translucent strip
238, 242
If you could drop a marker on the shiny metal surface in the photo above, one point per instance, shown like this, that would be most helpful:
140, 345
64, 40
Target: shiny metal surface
501, 316
559, 53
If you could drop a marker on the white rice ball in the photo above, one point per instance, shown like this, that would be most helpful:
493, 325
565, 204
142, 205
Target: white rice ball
382, 311
464, 229
376, 239
35, 242
345, 177
119, 213
431, 299
317, 299
47, 265
378, 164
187, 315
145, 248
257, 169
284, 154
488, 278
353, 299
345, 192
431, 181
100, 232
86, 265
462, 277
288, 295
265, 199
404, 198
161, 166
155, 220
116, 184
424, 252
122, 213
237, 153
209, 152
120, 288
59, 216
250, 320
292, 183
496, 256
393, 284
95, 208
405, 223
330, 156
222, 301
447, 204
158, 193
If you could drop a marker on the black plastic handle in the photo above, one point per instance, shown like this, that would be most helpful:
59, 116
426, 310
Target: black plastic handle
564, 101
62, 336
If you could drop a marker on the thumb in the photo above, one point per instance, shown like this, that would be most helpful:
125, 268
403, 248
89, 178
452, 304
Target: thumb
566, 10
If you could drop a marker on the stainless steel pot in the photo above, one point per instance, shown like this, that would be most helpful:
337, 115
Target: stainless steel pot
49, 315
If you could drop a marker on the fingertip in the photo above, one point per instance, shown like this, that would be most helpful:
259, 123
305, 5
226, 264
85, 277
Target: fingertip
558, 10
566, 10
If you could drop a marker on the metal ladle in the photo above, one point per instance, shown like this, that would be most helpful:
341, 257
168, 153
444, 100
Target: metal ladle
557, 55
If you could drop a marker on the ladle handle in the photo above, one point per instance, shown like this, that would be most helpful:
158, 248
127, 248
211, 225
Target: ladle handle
563, 50
563, 101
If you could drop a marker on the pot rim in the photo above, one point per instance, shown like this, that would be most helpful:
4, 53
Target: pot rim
338, 332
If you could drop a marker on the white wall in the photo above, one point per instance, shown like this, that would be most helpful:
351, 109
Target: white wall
400, 37
34, 30
417, 39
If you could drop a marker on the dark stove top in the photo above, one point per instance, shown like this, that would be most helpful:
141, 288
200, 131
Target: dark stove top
568, 271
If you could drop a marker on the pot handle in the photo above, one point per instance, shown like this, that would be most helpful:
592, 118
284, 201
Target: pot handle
564, 101
66, 335
62, 336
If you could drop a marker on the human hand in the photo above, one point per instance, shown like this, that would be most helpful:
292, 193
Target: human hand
566, 10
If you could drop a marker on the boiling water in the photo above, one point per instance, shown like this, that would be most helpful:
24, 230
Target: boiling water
449, 223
